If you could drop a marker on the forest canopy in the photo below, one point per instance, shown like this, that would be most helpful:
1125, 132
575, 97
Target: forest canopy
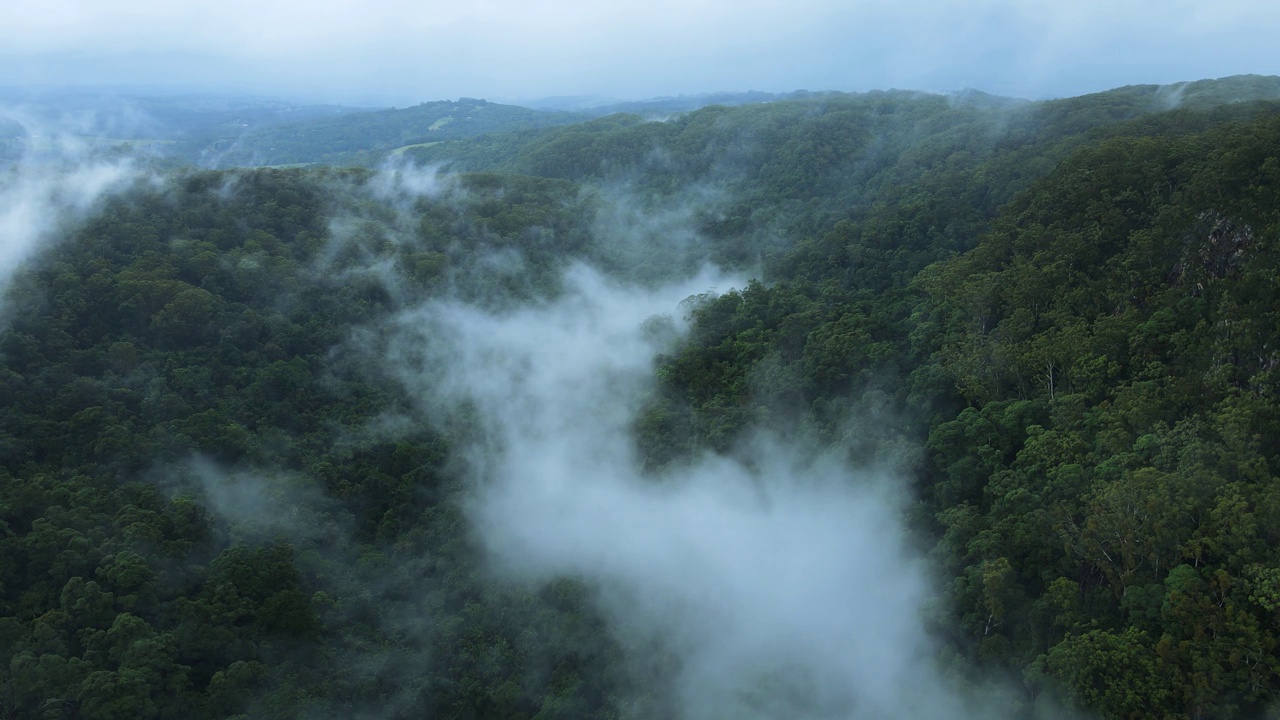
225, 492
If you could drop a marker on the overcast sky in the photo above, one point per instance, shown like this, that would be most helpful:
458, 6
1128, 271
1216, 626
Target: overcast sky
407, 51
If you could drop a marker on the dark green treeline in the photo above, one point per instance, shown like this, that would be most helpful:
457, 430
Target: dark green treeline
1062, 318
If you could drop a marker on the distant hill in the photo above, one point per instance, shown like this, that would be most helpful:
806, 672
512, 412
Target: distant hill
354, 138
612, 144
598, 106
1223, 91
222, 131
368, 137
168, 125
230, 131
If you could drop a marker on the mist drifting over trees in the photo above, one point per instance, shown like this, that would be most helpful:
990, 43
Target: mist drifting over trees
772, 404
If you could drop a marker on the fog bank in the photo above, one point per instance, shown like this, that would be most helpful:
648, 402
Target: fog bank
40, 202
779, 583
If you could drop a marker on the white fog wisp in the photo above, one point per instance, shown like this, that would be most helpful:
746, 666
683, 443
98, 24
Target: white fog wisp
46, 192
782, 583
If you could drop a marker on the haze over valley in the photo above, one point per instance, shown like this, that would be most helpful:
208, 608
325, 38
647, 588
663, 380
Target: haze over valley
812, 362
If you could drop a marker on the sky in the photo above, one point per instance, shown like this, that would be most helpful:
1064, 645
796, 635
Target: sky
407, 51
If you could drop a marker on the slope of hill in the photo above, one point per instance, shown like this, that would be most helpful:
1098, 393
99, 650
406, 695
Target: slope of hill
363, 137
239, 475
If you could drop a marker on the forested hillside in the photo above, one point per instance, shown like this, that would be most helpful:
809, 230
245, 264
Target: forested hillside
231, 487
190, 126
227, 131
368, 137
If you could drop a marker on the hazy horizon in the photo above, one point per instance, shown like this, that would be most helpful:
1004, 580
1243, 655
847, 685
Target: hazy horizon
391, 52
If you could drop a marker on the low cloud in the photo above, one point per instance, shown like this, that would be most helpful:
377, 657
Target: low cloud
54, 186
780, 582
259, 506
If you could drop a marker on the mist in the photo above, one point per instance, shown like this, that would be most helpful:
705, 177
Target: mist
779, 580
51, 188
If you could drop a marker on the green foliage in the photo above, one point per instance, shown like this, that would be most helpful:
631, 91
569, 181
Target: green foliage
362, 137
1114, 294
182, 342
1092, 377
1058, 318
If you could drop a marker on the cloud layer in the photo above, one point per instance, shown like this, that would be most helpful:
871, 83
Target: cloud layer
411, 51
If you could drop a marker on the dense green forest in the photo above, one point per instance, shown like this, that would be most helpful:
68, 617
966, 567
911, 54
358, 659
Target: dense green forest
1058, 320
368, 137
227, 131
192, 127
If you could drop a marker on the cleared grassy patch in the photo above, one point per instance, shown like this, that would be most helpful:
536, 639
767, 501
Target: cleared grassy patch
401, 150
